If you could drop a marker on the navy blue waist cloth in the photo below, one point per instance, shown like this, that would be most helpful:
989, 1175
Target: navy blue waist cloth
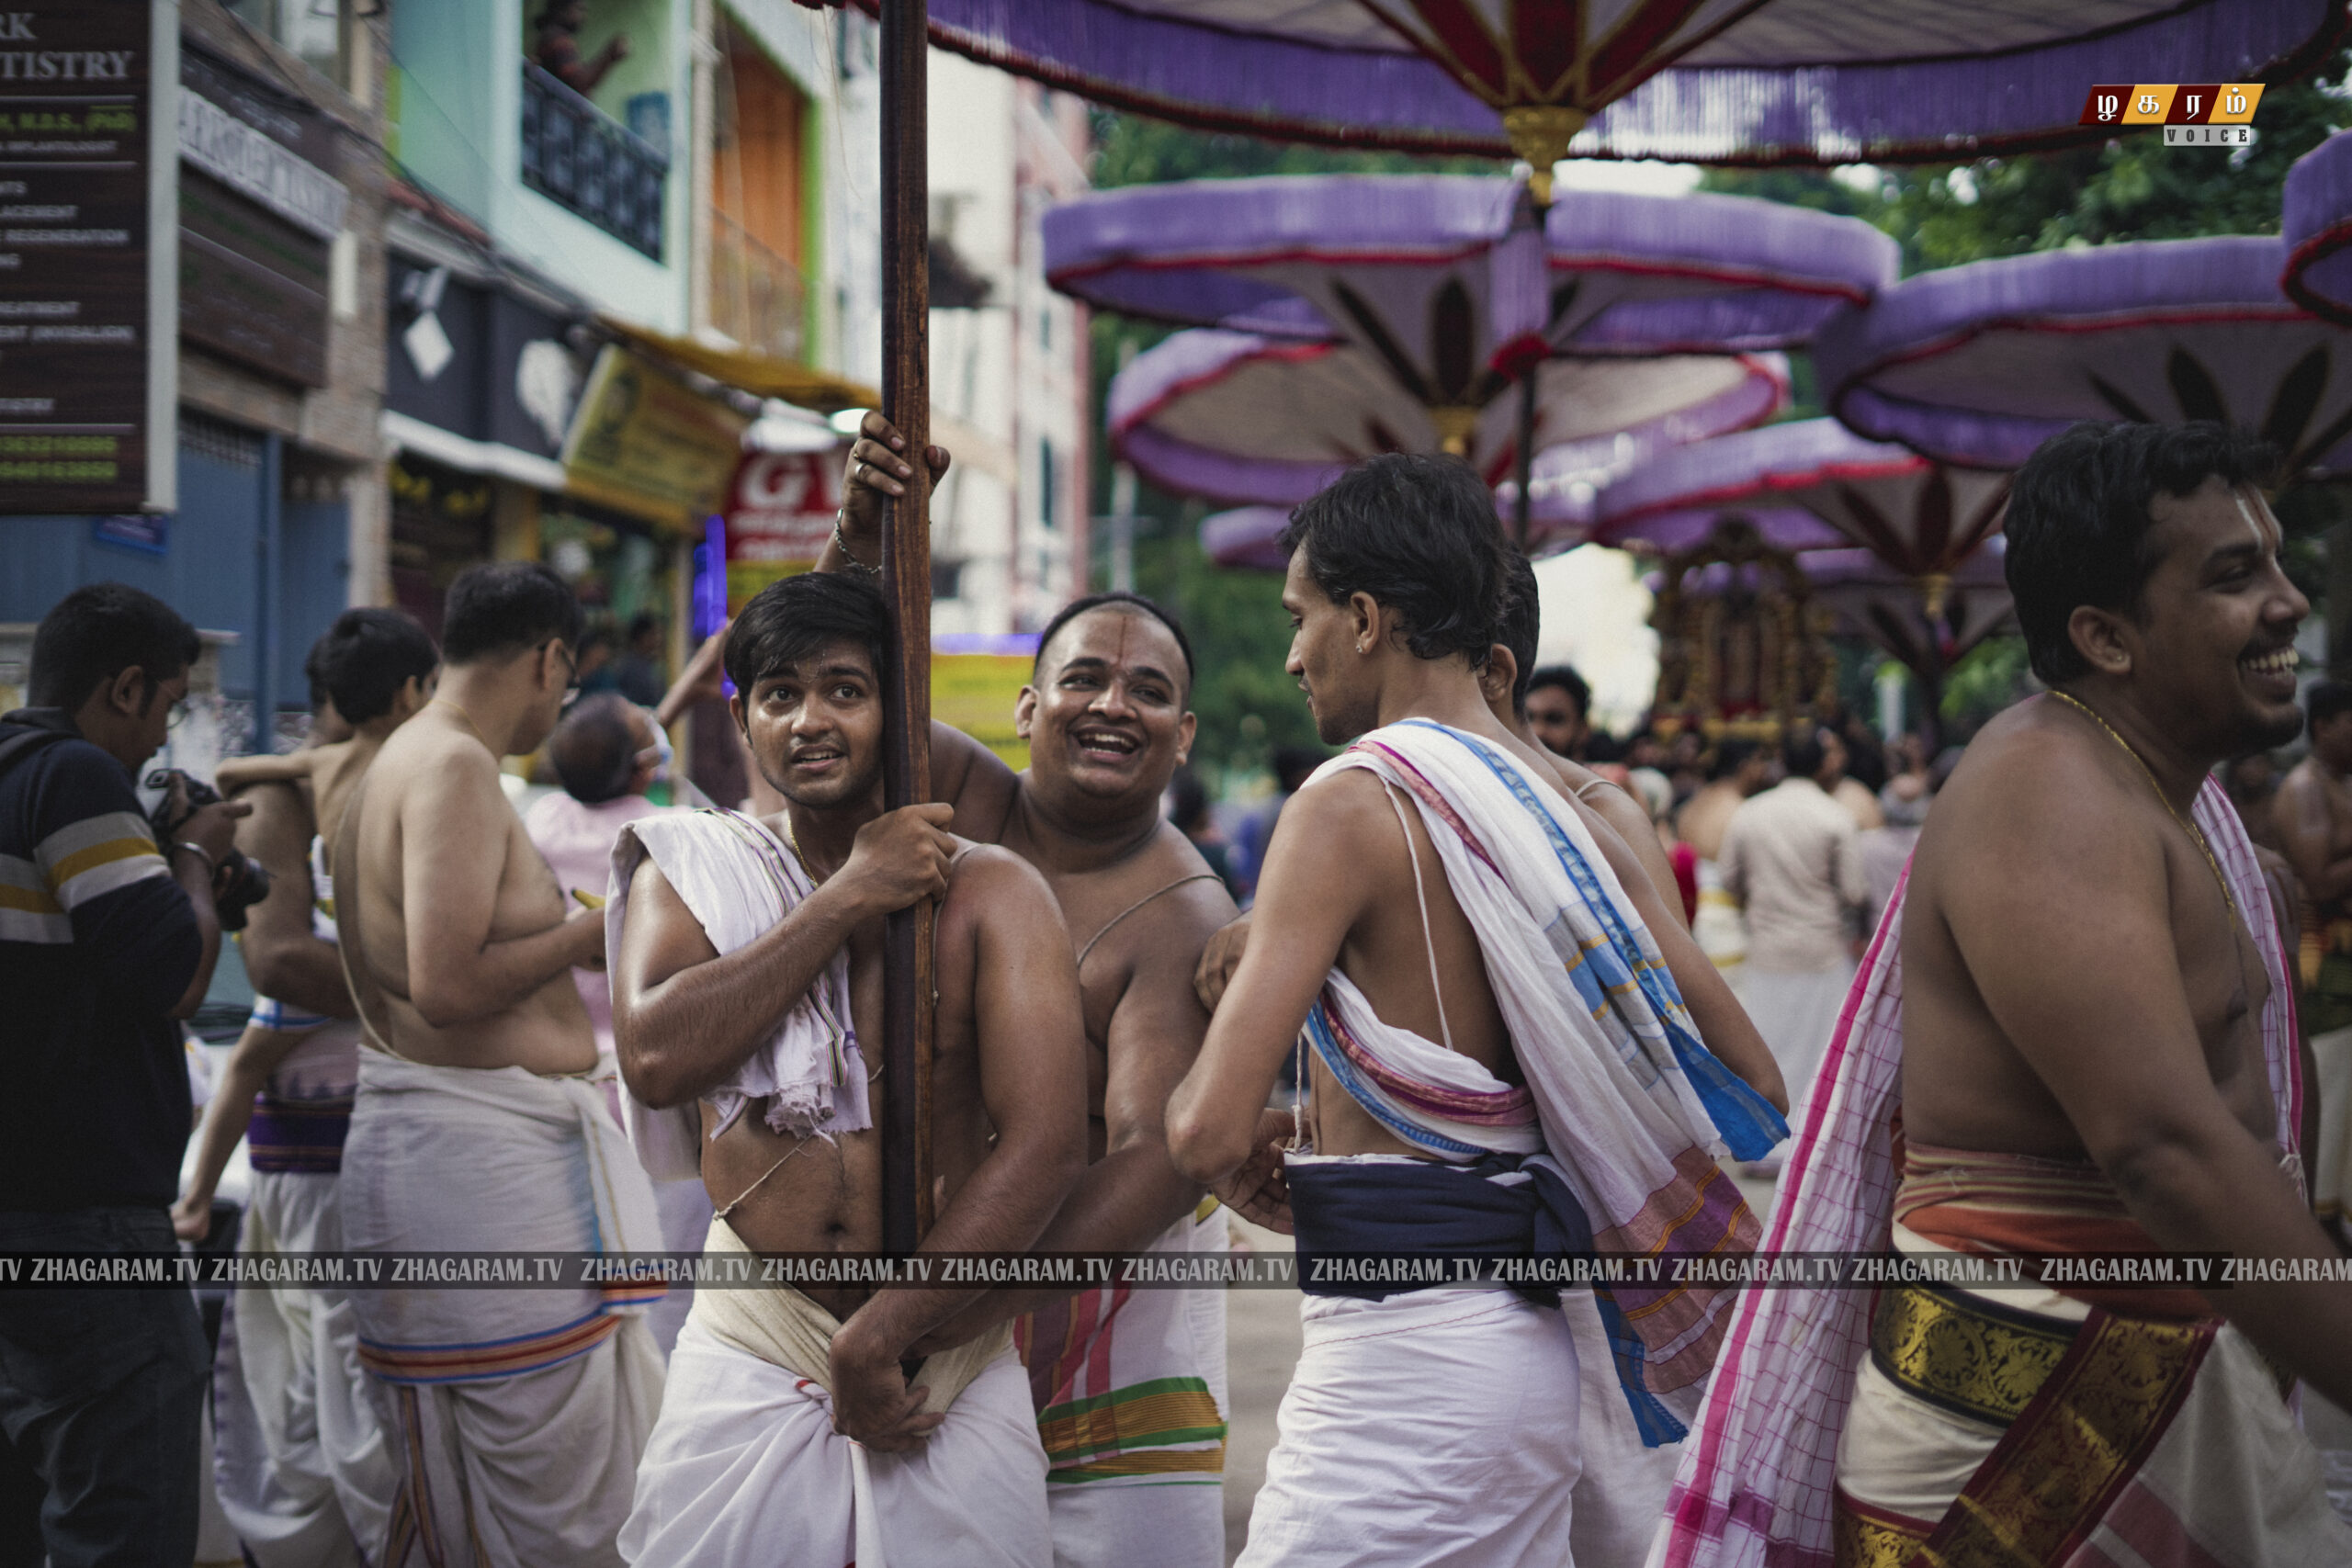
1342, 1212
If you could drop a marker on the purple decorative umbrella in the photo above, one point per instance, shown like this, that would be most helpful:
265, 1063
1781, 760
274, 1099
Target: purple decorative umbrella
1405, 266
1732, 81
1980, 363
1244, 537
1783, 527
2318, 230
1443, 287
1239, 418
1918, 517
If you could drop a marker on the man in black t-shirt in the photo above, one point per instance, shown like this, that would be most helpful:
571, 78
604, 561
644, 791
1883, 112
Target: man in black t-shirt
106, 939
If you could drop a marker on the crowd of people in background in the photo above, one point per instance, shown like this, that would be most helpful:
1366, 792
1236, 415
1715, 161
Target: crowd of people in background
1474, 975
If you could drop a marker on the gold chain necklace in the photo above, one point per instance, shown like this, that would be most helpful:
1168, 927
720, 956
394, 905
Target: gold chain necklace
2196, 833
469, 718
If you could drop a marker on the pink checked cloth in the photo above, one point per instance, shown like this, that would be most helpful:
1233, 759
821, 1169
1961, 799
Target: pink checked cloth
1757, 1469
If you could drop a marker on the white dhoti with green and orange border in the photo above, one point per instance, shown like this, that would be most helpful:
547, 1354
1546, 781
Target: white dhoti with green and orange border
1130, 1390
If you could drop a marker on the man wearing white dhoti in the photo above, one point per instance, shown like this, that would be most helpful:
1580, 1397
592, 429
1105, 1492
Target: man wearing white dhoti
2072, 1034
299, 1462
519, 1415
1792, 859
1545, 1092
748, 968
1129, 1384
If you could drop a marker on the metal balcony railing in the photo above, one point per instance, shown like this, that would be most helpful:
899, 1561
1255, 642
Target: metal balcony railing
581, 158
757, 298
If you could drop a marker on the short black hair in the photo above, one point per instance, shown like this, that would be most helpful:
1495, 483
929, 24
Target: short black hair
1521, 626
1802, 751
364, 660
2325, 700
1419, 534
2080, 521
799, 617
1293, 764
95, 633
1116, 599
1566, 678
1732, 753
1188, 800
641, 623
504, 607
594, 748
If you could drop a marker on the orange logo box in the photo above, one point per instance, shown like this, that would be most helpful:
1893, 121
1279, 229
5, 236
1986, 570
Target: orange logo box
2172, 103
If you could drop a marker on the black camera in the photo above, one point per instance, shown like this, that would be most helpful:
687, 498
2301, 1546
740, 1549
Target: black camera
238, 883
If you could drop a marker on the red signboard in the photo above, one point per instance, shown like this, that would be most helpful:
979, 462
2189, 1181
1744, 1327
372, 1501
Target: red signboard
780, 508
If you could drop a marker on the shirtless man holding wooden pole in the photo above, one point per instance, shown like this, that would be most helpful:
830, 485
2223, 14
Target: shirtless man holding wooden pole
1129, 1385
748, 990
521, 1414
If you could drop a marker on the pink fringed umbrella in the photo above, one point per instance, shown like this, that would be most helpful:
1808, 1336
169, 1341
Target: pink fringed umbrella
1979, 365
2318, 230
1238, 418
1921, 519
1886, 606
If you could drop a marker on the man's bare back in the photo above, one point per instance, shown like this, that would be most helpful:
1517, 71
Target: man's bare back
1706, 818
432, 805
326, 776
2313, 815
1966, 1084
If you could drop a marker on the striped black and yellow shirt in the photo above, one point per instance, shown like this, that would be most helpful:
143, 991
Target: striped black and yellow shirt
97, 942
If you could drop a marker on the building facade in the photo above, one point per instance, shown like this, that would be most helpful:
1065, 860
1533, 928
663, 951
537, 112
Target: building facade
280, 492
464, 281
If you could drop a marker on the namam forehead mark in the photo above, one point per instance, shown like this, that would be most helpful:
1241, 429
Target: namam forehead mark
1112, 651
2267, 535
2199, 516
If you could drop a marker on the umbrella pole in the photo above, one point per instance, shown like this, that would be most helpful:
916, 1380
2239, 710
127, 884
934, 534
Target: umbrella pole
1524, 451
907, 1010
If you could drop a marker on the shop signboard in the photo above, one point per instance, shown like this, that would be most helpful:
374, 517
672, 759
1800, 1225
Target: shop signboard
779, 513
976, 682
88, 289
645, 443
258, 218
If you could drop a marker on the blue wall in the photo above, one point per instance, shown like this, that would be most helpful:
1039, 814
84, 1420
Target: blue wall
212, 568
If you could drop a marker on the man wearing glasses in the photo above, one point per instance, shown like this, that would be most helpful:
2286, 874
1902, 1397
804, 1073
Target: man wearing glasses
477, 1129
106, 938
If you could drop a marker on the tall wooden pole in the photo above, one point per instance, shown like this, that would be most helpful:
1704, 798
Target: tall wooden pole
908, 1011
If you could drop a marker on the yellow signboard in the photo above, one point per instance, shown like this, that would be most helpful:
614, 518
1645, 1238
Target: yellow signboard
975, 682
645, 442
